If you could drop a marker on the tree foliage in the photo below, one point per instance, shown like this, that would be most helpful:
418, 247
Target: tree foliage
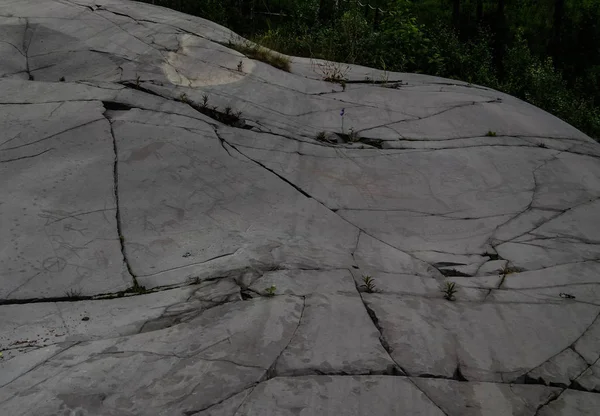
544, 51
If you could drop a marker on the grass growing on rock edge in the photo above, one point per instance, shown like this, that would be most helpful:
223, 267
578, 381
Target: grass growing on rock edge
260, 53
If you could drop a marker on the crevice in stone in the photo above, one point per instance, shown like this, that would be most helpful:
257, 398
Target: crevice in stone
392, 370
527, 379
350, 138
54, 135
136, 287
27, 38
44, 300
272, 370
293, 185
581, 336
375, 321
223, 142
575, 384
554, 396
192, 264
246, 294
374, 82
321, 203
115, 106
26, 157
35, 367
227, 117
458, 375
452, 272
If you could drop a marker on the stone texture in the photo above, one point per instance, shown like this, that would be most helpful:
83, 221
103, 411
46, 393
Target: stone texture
142, 227
408, 325
170, 371
590, 379
457, 398
572, 403
560, 370
329, 341
343, 395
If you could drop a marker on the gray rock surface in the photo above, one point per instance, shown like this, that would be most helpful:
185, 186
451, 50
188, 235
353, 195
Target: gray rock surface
163, 254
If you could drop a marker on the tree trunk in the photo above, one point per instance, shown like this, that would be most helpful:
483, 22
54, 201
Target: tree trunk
324, 10
558, 20
456, 13
500, 35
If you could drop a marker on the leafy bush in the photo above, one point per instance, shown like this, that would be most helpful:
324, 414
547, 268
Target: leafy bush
541, 84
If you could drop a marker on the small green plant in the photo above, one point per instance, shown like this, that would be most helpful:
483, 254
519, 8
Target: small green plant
542, 145
228, 111
73, 294
270, 291
368, 284
491, 133
449, 290
62, 79
240, 66
321, 136
385, 76
137, 80
343, 84
204, 100
184, 98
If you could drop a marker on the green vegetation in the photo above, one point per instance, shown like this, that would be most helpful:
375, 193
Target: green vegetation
542, 51
270, 291
262, 54
368, 284
73, 294
449, 290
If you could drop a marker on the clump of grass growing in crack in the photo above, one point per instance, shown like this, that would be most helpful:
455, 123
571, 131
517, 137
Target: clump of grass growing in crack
137, 288
62, 79
385, 76
542, 145
194, 280
332, 71
368, 284
260, 53
204, 101
491, 133
184, 98
73, 294
449, 290
321, 136
270, 291
240, 66
353, 136
510, 270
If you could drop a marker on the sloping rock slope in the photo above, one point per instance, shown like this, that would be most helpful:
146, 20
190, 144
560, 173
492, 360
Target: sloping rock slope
145, 221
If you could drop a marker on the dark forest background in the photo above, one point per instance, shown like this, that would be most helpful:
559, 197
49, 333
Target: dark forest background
546, 52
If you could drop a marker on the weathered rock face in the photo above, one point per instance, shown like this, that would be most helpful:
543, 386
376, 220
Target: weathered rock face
162, 254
